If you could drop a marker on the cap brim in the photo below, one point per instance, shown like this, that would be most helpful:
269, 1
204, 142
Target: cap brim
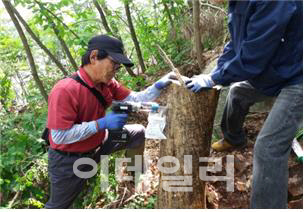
120, 58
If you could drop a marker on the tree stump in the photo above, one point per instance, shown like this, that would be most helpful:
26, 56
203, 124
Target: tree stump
190, 118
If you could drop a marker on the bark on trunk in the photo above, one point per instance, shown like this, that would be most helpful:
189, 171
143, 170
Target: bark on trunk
103, 18
56, 32
130, 71
40, 44
112, 23
173, 31
156, 15
169, 15
65, 47
197, 35
57, 18
134, 37
23, 38
22, 84
109, 31
190, 119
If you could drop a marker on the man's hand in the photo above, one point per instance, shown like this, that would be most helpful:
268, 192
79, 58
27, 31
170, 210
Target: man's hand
165, 81
200, 83
112, 121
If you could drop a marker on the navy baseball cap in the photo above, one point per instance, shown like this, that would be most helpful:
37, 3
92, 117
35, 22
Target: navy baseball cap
112, 46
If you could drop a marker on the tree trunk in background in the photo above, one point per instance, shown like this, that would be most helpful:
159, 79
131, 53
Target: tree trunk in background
107, 28
197, 35
57, 18
173, 28
112, 24
23, 38
22, 84
189, 128
56, 32
103, 18
169, 15
40, 44
173, 8
134, 37
155, 11
64, 46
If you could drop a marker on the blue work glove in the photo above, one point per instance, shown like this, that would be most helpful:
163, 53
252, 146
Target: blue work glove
200, 83
164, 81
112, 121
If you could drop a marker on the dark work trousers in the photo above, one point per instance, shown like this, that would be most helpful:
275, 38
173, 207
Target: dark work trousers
65, 185
241, 96
273, 143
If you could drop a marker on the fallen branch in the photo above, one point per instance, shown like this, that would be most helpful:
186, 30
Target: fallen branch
125, 189
214, 7
205, 195
130, 198
14, 199
111, 205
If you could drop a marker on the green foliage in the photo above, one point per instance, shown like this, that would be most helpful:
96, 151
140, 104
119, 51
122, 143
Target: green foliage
142, 202
299, 134
6, 93
152, 31
133, 83
22, 165
151, 202
33, 203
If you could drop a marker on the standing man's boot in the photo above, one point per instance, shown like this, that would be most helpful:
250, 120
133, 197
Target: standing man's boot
223, 145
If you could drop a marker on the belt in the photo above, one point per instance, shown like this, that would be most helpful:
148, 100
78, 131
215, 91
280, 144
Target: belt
79, 154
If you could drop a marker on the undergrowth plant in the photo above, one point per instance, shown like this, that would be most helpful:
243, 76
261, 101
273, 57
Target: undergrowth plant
23, 164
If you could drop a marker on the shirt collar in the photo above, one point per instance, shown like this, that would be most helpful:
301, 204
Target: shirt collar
85, 77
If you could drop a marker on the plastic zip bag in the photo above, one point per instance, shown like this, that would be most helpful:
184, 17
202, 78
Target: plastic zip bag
156, 125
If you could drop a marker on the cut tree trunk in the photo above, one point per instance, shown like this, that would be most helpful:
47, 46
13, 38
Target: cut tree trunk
190, 118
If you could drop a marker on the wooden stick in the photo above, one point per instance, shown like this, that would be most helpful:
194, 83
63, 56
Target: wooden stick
168, 61
214, 7
130, 198
11, 203
125, 189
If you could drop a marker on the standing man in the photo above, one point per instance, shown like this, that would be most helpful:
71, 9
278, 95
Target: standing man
264, 58
77, 123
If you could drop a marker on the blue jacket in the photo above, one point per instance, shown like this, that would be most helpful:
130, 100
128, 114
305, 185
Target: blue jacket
266, 46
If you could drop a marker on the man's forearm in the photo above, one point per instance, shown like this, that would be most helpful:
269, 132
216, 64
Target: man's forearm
76, 133
149, 94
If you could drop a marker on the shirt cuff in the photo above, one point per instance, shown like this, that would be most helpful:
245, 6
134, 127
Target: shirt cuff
92, 126
155, 91
216, 78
